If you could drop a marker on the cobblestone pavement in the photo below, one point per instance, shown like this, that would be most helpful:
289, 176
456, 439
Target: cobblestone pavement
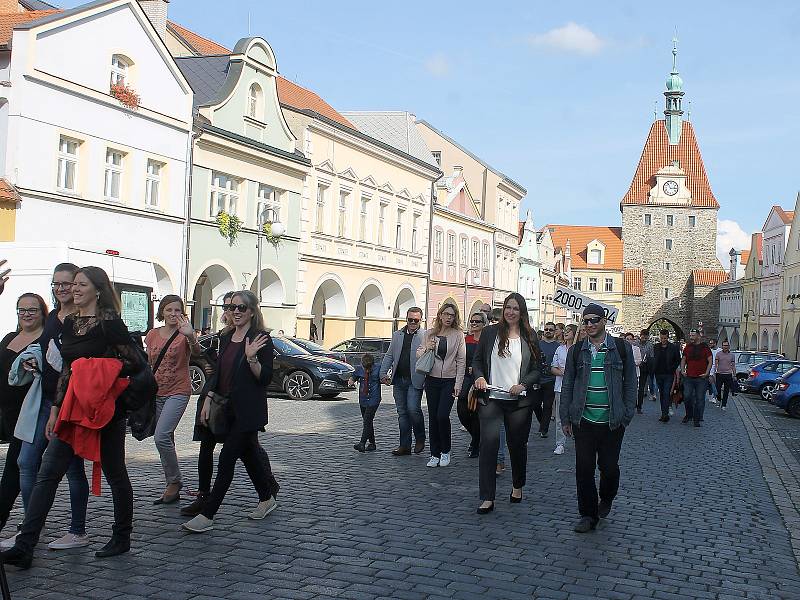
787, 428
694, 519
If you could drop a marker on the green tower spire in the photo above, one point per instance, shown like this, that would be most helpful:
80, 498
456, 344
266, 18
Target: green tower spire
673, 112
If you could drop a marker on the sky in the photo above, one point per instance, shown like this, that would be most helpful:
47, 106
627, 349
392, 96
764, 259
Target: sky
558, 96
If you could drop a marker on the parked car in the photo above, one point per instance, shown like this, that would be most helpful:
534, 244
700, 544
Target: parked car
354, 348
746, 360
315, 348
787, 392
300, 374
201, 365
763, 377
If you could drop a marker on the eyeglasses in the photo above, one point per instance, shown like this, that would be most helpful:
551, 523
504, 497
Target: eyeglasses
64, 285
592, 320
476, 322
235, 307
448, 314
27, 311
412, 320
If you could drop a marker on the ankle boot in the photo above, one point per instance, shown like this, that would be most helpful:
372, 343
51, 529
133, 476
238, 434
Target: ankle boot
114, 547
17, 557
197, 506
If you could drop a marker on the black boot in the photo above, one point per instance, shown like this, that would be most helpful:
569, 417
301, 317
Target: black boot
114, 547
17, 557
197, 506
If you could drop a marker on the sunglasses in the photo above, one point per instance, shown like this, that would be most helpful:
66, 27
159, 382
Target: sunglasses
546, 330
476, 322
235, 307
592, 320
64, 285
411, 320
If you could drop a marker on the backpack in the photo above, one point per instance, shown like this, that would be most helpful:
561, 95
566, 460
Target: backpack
618, 341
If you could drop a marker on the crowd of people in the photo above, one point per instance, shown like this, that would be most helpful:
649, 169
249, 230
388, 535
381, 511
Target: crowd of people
71, 377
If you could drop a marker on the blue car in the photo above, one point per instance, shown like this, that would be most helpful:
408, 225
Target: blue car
787, 393
763, 376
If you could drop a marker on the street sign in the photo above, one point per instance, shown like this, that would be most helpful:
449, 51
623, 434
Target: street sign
570, 299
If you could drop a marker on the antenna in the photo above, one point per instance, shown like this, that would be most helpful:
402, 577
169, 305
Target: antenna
655, 110
689, 110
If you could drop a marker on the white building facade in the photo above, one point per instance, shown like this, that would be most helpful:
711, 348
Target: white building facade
530, 269
775, 236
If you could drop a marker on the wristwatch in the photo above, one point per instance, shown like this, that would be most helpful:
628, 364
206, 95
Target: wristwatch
253, 360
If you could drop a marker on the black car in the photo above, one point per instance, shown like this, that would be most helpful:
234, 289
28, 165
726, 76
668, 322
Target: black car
201, 365
316, 349
300, 374
354, 348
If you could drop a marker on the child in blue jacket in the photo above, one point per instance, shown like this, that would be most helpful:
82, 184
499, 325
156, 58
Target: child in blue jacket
369, 398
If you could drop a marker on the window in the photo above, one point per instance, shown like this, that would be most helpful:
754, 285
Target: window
119, 70
362, 219
609, 284
414, 232
670, 220
451, 248
476, 252
270, 200
667, 266
224, 194
254, 102
692, 221
438, 241
437, 156
668, 244
666, 293
381, 222
648, 219
67, 163
320, 216
152, 182
595, 256
577, 283
463, 253
485, 255
341, 229
592, 284
113, 181
398, 233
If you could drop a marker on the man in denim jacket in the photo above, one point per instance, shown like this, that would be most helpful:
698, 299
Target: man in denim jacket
598, 399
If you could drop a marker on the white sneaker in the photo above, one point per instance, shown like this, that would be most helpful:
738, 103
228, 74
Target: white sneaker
263, 509
671, 411
445, 460
9, 543
724, 408
713, 400
433, 462
70, 540
559, 449
199, 524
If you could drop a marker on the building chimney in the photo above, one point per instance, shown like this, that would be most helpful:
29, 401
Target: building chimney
156, 11
458, 171
9, 6
734, 262
568, 260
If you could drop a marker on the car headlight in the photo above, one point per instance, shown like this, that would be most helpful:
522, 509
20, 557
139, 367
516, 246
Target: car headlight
325, 370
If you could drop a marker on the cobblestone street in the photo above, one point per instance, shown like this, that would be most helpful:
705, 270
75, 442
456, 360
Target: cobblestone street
694, 519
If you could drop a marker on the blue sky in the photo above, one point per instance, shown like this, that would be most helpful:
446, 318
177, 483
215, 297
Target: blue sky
559, 96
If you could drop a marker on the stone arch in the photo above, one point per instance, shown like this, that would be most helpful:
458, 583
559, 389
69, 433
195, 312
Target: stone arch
209, 288
272, 288
753, 342
328, 300
370, 304
764, 341
476, 307
668, 324
404, 300
164, 283
734, 340
775, 345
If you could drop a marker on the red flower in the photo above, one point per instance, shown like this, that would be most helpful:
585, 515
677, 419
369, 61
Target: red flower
127, 96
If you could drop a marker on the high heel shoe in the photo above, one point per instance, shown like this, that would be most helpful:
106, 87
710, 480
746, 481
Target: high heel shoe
514, 500
17, 557
114, 547
483, 510
169, 499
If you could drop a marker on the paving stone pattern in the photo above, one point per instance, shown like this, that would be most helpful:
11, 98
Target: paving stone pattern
784, 426
694, 519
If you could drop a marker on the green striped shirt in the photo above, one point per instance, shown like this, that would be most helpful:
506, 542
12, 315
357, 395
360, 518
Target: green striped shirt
596, 408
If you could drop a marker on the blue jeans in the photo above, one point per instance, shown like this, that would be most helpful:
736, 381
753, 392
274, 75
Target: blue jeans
30, 458
694, 397
408, 401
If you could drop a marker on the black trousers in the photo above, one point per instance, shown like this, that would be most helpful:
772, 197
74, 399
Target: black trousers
469, 419
644, 375
238, 446
664, 383
9, 484
439, 392
547, 395
55, 462
596, 447
205, 464
368, 429
724, 387
517, 422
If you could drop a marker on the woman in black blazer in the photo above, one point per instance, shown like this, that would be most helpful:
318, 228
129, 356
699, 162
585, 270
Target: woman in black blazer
507, 359
244, 370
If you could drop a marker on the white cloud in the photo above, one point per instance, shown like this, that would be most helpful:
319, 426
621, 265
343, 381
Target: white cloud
438, 65
569, 38
730, 235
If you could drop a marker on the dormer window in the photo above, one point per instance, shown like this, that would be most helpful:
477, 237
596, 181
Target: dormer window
254, 102
595, 257
119, 70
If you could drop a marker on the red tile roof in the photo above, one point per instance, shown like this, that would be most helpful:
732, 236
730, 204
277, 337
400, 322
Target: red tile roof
297, 96
520, 231
579, 237
787, 216
10, 20
658, 154
709, 277
633, 282
745, 257
759, 247
8, 193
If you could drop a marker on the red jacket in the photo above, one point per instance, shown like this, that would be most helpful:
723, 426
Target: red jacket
88, 406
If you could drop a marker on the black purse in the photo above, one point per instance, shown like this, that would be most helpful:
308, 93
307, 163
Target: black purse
142, 421
219, 422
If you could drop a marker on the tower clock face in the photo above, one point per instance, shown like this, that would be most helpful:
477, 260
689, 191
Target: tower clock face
670, 187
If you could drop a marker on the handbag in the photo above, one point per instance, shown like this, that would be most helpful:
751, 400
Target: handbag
425, 362
142, 421
219, 422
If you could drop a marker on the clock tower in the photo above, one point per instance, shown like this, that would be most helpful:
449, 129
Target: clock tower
669, 228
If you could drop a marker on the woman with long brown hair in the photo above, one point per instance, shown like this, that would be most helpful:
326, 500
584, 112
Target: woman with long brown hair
443, 384
506, 369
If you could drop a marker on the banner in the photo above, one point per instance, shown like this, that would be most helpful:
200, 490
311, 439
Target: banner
572, 300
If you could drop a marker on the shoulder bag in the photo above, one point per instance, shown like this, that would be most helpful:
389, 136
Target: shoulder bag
425, 362
142, 421
219, 420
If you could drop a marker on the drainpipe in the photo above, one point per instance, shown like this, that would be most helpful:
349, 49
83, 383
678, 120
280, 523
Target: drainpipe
187, 211
430, 244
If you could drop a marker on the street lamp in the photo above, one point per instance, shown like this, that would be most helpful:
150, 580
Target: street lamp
746, 321
267, 215
466, 281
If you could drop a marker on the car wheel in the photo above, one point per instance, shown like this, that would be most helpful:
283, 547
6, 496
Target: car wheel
299, 386
198, 378
794, 408
766, 391
329, 396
